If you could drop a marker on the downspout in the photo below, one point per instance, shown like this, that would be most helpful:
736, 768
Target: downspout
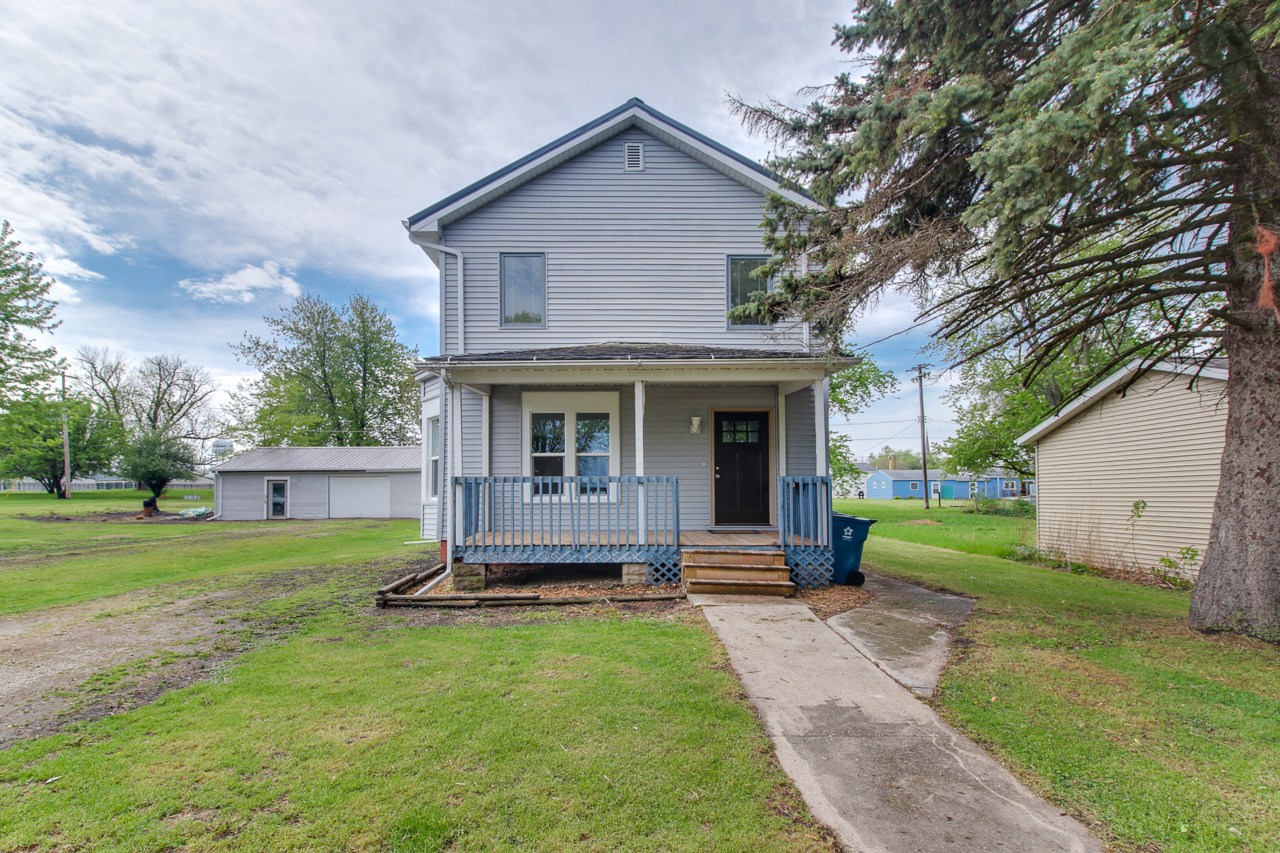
462, 302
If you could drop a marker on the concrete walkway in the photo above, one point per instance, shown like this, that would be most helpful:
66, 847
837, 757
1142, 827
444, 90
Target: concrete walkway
873, 762
906, 631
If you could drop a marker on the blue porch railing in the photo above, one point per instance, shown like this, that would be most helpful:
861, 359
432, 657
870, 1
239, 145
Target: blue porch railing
569, 520
804, 529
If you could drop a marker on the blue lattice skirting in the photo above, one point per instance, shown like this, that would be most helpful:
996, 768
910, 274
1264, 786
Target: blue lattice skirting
811, 567
663, 563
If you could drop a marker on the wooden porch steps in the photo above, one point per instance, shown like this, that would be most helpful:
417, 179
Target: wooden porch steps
736, 571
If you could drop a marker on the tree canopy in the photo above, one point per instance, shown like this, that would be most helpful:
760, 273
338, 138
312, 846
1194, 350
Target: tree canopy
1059, 165
31, 440
25, 308
163, 393
330, 376
155, 460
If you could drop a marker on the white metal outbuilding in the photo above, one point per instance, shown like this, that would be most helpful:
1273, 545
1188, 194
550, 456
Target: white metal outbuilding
319, 482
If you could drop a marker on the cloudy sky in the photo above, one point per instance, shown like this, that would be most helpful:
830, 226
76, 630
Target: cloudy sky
184, 168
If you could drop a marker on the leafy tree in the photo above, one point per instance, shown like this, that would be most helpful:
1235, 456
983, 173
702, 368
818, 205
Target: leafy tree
851, 391
996, 402
24, 305
342, 370
274, 411
1075, 162
907, 460
163, 393
31, 441
155, 460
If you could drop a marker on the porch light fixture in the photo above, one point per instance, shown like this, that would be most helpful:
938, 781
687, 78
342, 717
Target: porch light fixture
695, 426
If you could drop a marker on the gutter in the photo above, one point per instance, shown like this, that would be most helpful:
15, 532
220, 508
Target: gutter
462, 315
622, 364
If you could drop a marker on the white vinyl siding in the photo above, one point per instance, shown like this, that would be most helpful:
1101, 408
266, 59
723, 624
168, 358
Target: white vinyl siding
630, 256
360, 496
1160, 443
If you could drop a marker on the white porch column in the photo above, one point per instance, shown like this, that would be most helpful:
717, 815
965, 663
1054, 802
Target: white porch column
782, 433
486, 403
639, 427
820, 427
455, 456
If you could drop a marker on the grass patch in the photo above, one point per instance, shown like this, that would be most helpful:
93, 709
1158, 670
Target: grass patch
957, 527
43, 564
607, 733
1097, 694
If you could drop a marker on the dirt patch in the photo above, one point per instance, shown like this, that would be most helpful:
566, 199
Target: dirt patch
158, 518
47, 656
920, 521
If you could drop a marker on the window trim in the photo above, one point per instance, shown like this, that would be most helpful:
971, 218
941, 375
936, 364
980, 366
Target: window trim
571, 404
915, 486
502, 293
433, 462
728, 291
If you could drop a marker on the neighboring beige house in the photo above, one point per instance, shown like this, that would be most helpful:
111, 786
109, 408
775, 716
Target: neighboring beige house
1129, 476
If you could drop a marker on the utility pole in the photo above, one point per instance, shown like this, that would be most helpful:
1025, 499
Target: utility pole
924, 444
66, 444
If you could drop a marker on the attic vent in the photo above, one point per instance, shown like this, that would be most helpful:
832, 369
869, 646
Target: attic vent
633, 157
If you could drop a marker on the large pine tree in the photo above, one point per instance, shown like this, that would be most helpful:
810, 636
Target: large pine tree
1071, 163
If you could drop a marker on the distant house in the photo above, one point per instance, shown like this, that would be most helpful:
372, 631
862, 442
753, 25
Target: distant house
1129, 476
887, 484
1001, 485
319, 482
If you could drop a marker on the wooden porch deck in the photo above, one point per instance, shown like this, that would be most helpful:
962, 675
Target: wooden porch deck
688, 539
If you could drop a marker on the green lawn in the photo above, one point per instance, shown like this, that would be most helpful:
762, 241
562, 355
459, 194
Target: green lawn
49, 563
955, 528
1096, 693
592, 730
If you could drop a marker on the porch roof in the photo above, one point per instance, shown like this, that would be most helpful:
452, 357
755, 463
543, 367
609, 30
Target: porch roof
621, 351
616, 357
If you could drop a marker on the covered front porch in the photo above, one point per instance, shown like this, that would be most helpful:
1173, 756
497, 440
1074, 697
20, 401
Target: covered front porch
630, 454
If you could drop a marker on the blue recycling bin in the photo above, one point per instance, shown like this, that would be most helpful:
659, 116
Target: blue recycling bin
848, 532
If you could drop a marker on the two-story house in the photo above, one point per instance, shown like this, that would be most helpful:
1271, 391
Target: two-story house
593, 401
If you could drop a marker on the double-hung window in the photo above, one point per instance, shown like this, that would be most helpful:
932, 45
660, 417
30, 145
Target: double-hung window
571, 434
433, 454
523, 290
743, 286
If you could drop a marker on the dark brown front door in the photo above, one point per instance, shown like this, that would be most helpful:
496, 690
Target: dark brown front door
742, 467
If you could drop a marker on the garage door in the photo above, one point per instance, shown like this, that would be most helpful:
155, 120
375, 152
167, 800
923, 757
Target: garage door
360, 497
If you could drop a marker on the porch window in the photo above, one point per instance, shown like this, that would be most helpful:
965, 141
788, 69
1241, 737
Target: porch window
743, 286
570, 434
523, 290
547, 449
591, 446
433, 451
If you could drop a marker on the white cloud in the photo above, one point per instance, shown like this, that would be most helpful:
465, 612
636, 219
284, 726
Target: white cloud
243, 285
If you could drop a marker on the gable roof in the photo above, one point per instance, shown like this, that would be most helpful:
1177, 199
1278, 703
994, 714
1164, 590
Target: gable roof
1216, 368
364, 459
917, 474
634, 113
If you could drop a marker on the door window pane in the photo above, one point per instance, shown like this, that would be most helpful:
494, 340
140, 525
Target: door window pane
742, 286
278, 499
740, 432
524, 289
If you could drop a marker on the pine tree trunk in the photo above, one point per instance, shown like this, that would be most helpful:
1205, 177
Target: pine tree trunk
1239, 584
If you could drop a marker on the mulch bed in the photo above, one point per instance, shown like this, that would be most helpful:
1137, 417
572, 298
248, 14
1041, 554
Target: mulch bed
824, 603
112, 516
832, 600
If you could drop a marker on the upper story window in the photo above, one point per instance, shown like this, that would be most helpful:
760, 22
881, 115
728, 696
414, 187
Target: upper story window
743, 286
523, 290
